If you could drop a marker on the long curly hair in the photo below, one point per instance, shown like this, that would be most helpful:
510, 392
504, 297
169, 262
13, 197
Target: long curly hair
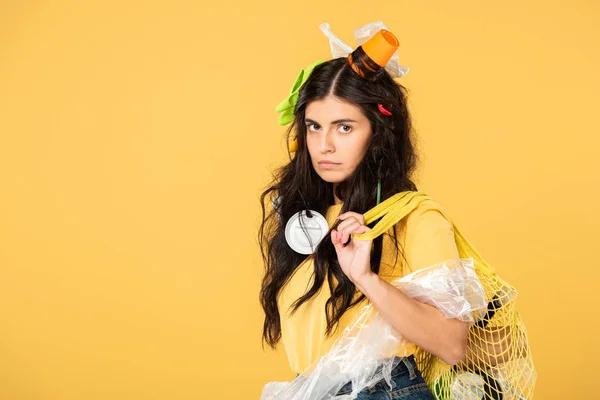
390, 157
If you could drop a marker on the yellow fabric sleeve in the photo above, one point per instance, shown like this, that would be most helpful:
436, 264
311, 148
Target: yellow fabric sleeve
429, 238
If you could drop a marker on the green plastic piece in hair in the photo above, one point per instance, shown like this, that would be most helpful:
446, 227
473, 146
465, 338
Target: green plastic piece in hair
288, 106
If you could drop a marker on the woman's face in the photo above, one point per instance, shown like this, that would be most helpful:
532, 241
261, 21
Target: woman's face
337, 134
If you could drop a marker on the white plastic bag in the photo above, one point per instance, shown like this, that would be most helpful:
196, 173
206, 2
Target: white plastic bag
363, 354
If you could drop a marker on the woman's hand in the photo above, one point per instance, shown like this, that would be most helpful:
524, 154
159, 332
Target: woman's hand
355, 257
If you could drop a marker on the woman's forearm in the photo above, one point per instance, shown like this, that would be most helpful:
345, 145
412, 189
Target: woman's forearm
419, 323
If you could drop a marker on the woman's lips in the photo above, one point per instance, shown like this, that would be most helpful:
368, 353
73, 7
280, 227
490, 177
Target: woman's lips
328, 164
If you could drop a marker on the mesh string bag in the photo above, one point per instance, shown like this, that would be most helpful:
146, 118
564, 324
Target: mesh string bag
498, 364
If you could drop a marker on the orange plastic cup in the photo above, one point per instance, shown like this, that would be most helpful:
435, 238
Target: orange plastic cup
381, 47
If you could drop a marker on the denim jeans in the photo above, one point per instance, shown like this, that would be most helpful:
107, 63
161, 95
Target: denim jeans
409, 385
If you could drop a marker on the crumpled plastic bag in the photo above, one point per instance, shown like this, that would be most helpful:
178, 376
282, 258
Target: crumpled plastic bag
364, 353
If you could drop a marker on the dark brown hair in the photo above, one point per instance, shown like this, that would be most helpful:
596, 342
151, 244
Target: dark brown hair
390, 157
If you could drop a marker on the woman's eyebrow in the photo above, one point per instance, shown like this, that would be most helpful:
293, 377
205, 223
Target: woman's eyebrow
337, 121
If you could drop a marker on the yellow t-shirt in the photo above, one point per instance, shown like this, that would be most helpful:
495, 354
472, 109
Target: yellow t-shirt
427, 238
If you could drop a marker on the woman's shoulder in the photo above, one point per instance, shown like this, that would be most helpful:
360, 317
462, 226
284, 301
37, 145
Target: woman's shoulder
424, 236
428, 210
427, 234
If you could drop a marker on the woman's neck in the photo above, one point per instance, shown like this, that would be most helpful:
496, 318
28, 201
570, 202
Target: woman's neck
336, 200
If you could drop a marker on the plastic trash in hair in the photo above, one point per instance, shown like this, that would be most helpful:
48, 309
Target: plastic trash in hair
361, 36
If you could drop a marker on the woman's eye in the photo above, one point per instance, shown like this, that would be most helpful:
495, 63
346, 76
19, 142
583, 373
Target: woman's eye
345, 128
313, 127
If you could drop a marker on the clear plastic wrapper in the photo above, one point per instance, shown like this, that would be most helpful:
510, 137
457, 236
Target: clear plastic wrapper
361, 35
364, 353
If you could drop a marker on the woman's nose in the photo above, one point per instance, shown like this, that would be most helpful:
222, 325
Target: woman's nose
327, 145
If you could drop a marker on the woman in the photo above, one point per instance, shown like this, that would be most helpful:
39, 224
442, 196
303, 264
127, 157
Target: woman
353, 149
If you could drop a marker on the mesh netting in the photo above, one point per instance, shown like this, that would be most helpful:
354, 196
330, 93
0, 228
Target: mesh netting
498, 363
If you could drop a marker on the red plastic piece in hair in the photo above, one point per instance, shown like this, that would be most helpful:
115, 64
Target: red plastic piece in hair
384, 110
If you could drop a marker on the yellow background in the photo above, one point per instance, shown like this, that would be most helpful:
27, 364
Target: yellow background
135, 138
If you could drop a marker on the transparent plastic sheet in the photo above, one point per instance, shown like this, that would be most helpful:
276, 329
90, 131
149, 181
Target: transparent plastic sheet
364, 353
361, 35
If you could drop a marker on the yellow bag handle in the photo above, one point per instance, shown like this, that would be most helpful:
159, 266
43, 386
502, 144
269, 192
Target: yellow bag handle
391, 211
398, 206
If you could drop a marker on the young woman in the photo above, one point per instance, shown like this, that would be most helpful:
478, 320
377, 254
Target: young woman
353, 149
